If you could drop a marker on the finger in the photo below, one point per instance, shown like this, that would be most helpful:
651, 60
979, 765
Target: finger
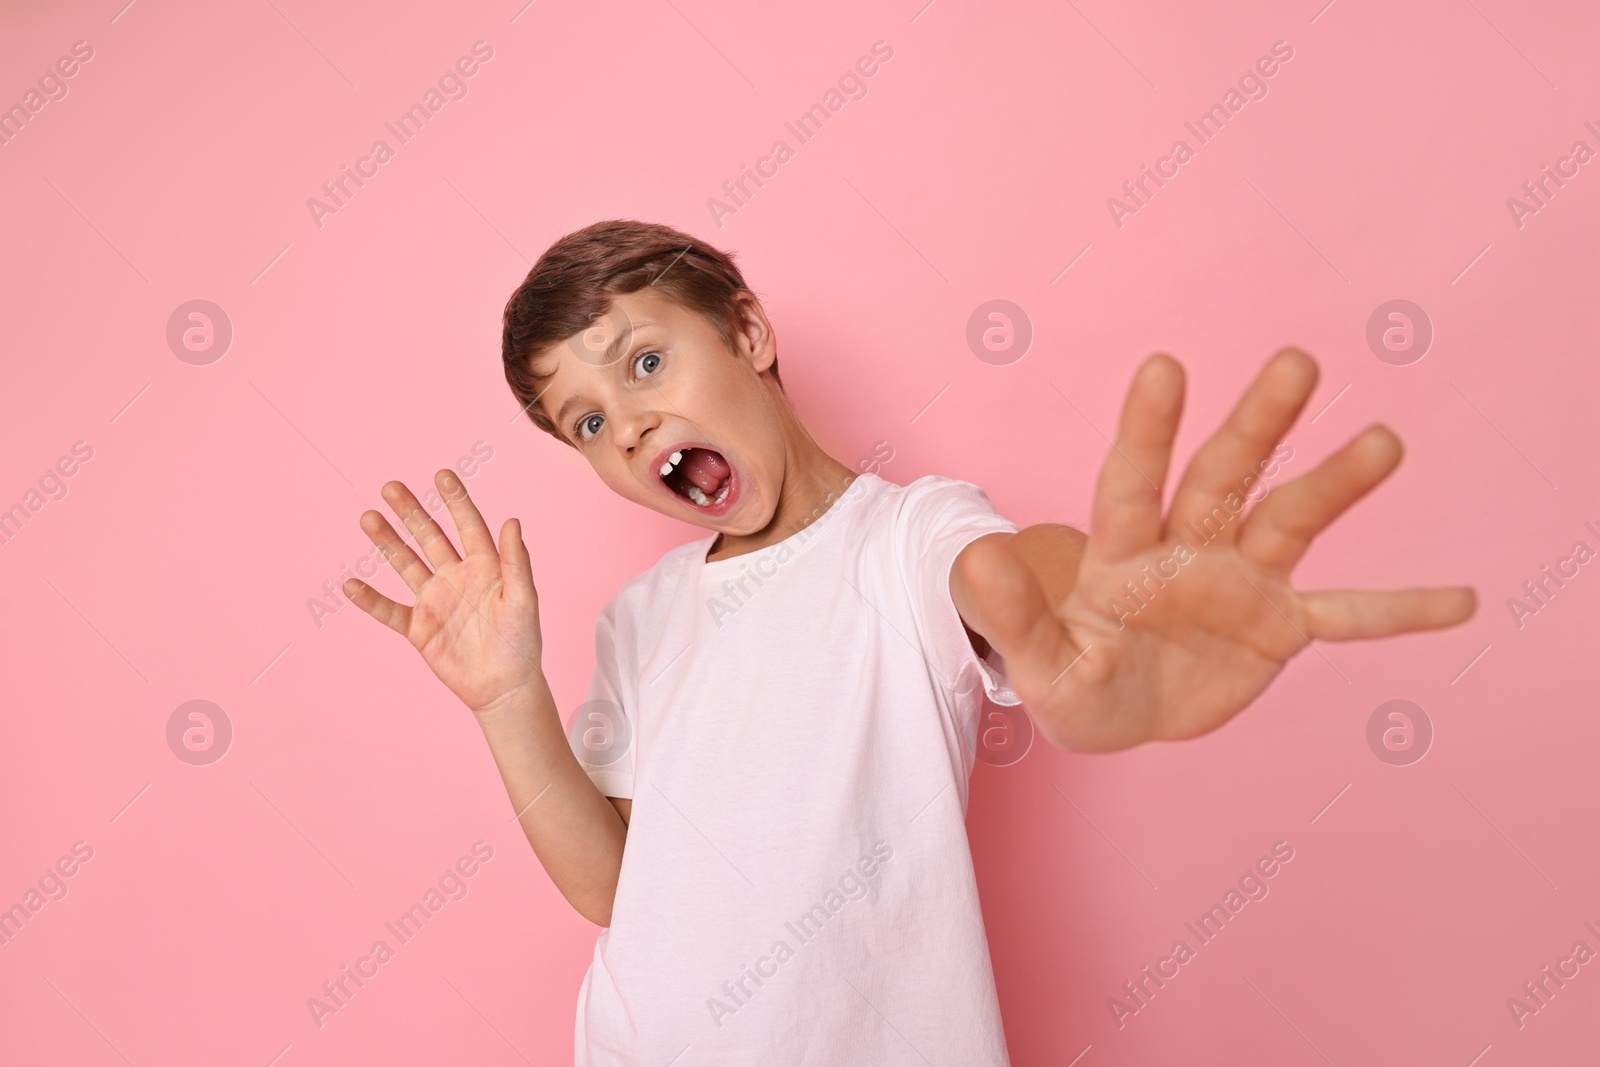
1231, 459
395, 551
1127, 501
1280, 529
435, 545
475, 536
396, 617
1353, 614
515, 566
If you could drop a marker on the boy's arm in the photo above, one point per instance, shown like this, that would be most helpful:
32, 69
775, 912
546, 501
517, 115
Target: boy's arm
476, 624
577, 833
1165, 626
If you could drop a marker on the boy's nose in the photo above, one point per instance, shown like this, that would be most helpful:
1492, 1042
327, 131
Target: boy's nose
635, 429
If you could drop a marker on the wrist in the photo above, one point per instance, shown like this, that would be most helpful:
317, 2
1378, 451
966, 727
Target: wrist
523, 728
1096, 726
516, 704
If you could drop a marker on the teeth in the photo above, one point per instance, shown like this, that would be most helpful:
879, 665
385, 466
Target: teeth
666, 468
699, 497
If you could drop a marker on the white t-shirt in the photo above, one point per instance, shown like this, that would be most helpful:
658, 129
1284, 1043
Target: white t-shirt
796, 727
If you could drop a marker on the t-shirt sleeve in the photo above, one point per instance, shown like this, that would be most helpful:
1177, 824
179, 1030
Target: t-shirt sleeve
938, 518
601, 731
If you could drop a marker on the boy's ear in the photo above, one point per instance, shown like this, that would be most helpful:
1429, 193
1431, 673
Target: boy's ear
757, 344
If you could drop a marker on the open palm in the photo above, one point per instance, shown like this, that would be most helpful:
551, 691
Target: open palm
476, 619
1177, 622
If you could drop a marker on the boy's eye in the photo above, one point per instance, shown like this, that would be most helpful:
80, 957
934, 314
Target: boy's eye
648, 363
590, 426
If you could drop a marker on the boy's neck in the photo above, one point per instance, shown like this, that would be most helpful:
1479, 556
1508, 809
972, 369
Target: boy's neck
814, 481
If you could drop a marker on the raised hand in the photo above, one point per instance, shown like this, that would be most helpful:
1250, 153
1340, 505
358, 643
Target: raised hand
476, 620
1176, 623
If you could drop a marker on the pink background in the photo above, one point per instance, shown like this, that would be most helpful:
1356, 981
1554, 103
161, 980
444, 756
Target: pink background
180, 563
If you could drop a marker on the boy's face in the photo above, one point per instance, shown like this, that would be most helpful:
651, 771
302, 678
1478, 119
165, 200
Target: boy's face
652, 379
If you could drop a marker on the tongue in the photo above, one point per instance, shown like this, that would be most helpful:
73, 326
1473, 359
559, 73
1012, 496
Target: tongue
704, 468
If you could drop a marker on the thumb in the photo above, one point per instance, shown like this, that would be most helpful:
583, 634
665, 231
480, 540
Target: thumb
1005, 601
515, 566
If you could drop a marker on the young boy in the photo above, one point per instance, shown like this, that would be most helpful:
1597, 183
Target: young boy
763, 798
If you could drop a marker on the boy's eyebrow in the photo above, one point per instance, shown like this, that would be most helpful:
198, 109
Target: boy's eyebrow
561, 416
622, 339
611, 350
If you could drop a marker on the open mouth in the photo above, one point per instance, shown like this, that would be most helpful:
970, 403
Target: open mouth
699, 475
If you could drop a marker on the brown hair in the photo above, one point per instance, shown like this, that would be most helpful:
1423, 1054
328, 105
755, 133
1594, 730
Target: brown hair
575, 280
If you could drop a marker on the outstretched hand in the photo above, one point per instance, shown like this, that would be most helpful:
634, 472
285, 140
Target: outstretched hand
476, 620
1176, 622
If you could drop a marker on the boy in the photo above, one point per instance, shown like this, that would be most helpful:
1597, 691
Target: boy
763, 798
